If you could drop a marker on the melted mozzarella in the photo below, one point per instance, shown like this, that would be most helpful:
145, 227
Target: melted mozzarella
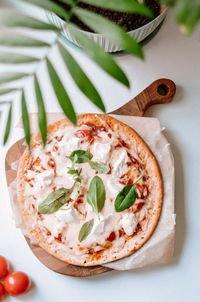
114, 187
100, 224
101, 152
129, 223
119, 166
66, 216
67, 146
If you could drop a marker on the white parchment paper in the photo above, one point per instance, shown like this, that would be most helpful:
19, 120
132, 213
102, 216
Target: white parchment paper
159, 248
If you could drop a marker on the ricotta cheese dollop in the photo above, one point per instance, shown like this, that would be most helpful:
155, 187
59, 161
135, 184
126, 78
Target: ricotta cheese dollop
101, 152
129, 223
119, 167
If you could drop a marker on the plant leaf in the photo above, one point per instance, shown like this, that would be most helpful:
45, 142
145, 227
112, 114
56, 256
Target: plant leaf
12, 19
42, 120
69, 2
99, 167
81, 78
96, 194
85, 230
6, 77
6, 91
97, 54
50, 6
126, 198
16, 39
111, 30
15, 58
54, 201
80, 156
127, 6
25, 120
8, 125
61, 94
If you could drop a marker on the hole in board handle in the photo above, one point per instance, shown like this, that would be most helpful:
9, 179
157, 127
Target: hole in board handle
163, 89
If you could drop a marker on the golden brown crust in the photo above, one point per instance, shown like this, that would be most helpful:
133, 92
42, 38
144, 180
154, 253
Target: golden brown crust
151, 167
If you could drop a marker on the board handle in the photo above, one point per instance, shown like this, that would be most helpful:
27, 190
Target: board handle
160, 91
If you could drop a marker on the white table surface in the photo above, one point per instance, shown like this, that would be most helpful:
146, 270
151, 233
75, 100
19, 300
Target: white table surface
169, 55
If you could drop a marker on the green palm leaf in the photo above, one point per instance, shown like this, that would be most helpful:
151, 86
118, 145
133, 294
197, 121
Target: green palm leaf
15, 58
16, 39
12, 19
6, 77
42, 120
8, 125
25, 119
61, 94
112, 31
81, 78
50, 6
128, 6
97, 54
6, 91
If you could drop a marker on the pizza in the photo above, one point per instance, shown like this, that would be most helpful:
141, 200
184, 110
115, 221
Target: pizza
93, 194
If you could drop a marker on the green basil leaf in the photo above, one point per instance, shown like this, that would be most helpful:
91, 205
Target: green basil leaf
85, 230
126, 198
54, 201
99, 167
72, 171
96, 195
80, 156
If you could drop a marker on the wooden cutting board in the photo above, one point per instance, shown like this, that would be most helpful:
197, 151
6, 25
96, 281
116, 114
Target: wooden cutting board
161, 91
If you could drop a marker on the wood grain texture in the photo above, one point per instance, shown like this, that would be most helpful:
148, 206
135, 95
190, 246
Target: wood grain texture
159, 92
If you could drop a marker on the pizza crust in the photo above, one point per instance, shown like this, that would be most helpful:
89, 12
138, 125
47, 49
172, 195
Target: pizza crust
151, 166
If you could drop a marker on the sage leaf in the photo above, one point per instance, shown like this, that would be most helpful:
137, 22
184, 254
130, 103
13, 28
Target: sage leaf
42, 120
127, 6
80, 156
85, 230
96, 194
11, 18
97, 54
111, 30
80, 78
72, 171
8, 125
25, 119
54, 201
61, 94
99, 167
126, 198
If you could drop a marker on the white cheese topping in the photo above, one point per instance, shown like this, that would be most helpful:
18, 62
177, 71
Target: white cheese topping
119, 167
100, 224
45, 178
66, 147
114, 187
129, 223
66, 216
101, 152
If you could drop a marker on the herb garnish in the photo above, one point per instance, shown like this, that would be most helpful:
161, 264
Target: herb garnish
85, 230
126, 197
96, 194
54, 201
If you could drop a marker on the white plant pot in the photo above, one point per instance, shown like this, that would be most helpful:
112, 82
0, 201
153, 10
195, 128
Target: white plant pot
139, 34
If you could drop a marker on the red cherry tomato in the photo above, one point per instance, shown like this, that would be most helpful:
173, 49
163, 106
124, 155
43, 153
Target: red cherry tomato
16, 283
2, 292
3, 267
